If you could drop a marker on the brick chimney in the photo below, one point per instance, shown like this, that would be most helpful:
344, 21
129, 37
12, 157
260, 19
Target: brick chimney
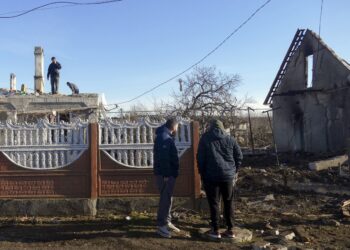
13, 82
39, 70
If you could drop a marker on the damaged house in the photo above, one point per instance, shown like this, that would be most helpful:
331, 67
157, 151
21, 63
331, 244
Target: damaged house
20, 106
310, 98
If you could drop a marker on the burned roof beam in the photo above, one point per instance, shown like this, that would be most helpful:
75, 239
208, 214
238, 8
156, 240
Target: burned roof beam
298, 92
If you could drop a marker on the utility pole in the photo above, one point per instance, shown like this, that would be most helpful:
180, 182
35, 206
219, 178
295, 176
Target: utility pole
251, 131
273, 136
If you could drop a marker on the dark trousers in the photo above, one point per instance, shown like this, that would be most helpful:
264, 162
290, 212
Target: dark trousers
55, 81
214, 190
166, 190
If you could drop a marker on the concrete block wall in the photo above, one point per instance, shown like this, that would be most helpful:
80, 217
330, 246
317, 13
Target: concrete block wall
316, 121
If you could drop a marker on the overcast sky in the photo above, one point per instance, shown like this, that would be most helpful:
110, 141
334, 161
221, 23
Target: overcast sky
125, 48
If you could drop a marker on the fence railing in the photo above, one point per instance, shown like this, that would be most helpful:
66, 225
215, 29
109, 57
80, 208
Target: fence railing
131, 143
43, 145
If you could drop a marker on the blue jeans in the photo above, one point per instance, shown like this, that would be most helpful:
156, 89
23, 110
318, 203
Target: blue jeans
166, 190
55, 81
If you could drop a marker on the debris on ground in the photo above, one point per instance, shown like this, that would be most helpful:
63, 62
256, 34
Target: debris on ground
301, 234
328, 163
262, 245
289, 235
243, 235
269, 197
345, 207
182, 213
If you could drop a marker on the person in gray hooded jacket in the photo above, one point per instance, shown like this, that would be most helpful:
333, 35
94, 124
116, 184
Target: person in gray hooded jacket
219, 157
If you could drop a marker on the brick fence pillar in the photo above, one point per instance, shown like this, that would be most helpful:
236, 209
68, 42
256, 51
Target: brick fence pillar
93, 148
348, 146
196, 178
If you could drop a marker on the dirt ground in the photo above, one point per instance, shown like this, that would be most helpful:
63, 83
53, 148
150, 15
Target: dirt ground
264, 204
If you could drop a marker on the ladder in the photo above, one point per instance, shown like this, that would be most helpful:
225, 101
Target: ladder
298, 38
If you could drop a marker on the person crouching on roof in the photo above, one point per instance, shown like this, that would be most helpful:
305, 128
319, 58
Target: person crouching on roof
73, 87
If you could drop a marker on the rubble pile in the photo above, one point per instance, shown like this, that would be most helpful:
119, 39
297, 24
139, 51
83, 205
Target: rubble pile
292, 206
6, 92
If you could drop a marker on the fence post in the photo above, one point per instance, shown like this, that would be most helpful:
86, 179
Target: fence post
94, 148
348, 147
196, 177
251, 130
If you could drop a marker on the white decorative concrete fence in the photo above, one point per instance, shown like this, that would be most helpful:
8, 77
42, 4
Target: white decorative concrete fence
90, 160
131, 144
43, 145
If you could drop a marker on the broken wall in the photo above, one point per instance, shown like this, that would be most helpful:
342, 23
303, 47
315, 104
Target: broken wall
317, 118
30, 108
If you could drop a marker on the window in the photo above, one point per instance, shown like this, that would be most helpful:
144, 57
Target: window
309, 70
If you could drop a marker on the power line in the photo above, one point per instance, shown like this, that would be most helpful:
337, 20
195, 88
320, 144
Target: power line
42, 9
320, 20
66, 4
319, 32
200, 60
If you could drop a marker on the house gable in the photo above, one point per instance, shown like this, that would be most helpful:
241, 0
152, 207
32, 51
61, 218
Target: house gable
298, 71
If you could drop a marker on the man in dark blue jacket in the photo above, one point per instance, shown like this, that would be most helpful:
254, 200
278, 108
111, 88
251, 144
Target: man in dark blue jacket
219, 157
166, 169
53, 73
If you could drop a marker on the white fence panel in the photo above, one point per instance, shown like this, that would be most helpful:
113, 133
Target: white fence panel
131, 143
43, 145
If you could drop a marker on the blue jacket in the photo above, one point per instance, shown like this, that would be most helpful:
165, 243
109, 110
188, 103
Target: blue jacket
219, 156
54, 70
165, 157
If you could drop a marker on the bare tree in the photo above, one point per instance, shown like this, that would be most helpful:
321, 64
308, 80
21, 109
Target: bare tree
207, 93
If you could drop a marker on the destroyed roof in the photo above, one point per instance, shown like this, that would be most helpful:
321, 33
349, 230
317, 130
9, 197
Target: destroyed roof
45, 103
316, 36
298, 42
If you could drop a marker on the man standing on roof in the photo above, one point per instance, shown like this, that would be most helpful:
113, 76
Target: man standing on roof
54, 74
